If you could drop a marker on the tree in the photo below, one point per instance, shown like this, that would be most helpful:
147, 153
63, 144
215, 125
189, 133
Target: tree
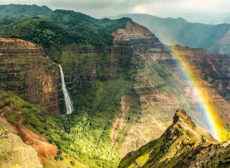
203, 140
72, 162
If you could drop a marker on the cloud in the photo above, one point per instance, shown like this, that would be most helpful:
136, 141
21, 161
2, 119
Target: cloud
99, 8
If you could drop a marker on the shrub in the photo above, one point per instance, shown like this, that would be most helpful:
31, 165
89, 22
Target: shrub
72, 162
61, 158
13, 118
59, 152
57, 157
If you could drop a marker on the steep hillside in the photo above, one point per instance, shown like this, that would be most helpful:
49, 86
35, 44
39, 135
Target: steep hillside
120, 90
213, 38
29, 73
182, 145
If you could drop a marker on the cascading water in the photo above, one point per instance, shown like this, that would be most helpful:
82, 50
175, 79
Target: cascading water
68, 103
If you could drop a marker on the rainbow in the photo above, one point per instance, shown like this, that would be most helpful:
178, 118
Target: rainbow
199, 93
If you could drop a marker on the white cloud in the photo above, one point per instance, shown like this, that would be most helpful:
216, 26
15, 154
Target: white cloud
98, 8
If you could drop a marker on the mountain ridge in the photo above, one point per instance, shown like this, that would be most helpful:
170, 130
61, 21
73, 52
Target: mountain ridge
178, 31
180, 146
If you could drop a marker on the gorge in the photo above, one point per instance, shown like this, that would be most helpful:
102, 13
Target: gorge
125, 87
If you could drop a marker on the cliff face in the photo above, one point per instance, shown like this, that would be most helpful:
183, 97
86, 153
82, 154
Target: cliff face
161, 88
141, 41
28, 72
182, 145
212, 73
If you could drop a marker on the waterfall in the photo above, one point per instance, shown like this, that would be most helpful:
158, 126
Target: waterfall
68, 103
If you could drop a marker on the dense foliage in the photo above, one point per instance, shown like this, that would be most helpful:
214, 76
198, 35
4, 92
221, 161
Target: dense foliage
61, 27
10, 14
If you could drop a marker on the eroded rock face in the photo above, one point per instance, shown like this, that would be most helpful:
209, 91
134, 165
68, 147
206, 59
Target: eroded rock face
162, 88
28, 72
182, 145
44, 149
13, 152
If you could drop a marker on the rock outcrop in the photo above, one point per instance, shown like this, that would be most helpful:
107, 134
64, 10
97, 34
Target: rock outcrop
182, 145
29, 73
13, 152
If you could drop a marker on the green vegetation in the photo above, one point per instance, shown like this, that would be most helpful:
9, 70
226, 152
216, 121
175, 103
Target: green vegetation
224, 160
37, 119
202, 141
13, 118
55, 29
151, 151
9, 14
100, 103
72, 162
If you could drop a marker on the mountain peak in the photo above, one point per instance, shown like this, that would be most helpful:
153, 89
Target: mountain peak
182, 145
183, 123
181, 115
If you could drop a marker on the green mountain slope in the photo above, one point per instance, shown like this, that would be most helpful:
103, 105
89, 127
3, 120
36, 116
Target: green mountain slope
60, 27
10, 14
81, 42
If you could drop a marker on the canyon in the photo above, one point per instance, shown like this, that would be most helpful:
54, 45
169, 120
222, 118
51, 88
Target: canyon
124, 94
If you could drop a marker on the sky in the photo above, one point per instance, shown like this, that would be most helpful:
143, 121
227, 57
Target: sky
101, 8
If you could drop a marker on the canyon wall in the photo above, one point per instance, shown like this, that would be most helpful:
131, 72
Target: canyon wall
28, 72
162, 88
